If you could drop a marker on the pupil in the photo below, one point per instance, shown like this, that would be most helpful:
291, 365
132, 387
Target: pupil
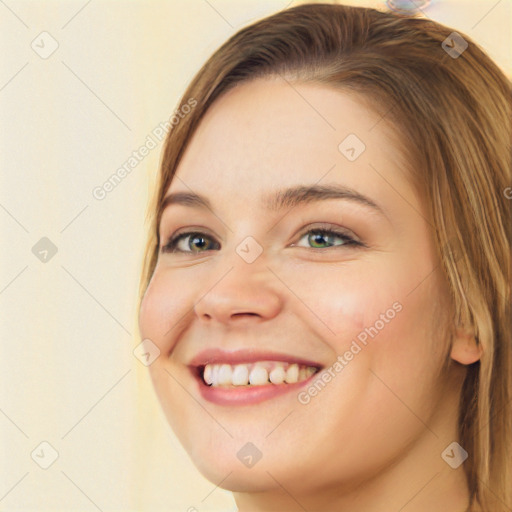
318, 238
199, 240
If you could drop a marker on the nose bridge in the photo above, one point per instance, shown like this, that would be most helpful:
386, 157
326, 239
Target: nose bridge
243, 289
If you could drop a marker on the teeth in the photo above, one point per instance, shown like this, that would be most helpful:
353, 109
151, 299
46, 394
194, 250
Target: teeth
208, 374
240, 375
256, 374
224, 375
292, 374
277, 375
215, 375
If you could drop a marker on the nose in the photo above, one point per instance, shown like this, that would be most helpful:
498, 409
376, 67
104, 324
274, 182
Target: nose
245, 292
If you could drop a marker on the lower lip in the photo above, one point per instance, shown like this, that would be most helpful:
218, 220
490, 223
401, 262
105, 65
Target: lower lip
242, 395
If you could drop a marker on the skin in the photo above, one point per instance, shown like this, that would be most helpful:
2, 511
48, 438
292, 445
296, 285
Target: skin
372, 439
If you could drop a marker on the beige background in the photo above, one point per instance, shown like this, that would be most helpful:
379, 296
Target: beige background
68, 325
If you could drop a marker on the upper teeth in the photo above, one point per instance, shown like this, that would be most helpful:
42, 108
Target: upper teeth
256, 374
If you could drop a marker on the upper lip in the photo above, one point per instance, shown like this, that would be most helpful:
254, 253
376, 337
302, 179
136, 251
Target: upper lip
219, 356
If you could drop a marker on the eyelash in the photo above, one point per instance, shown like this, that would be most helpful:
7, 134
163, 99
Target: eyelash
171, 245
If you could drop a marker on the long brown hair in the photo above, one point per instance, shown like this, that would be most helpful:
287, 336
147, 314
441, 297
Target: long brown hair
453, 111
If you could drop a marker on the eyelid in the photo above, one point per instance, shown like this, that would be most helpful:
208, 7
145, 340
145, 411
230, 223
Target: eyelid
187, 230
327, 226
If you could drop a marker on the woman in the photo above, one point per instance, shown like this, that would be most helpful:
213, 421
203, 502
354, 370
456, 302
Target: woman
328, 272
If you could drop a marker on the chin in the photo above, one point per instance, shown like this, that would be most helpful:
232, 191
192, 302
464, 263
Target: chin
240, 479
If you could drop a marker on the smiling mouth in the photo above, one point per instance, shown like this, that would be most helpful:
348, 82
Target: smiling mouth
248, 377
259, 373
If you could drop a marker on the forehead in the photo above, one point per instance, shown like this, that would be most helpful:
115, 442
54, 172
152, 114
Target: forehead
271, 134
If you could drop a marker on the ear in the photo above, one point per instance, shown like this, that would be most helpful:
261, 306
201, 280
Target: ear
465, 348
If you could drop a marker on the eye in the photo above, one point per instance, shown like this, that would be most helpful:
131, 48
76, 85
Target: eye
321, 238
184, 241
318, 238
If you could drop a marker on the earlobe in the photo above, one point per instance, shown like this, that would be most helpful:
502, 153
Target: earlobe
465, 348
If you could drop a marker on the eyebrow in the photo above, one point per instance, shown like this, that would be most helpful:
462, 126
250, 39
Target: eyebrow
287, 198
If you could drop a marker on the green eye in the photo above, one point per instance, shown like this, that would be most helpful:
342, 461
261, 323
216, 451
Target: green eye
194, 242
319, 238
195, 239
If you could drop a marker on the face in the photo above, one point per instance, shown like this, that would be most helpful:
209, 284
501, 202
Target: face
336, 290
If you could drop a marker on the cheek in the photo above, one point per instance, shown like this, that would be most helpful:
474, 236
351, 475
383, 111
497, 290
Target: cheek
343, 304
407, 354
163, 309
386, 324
